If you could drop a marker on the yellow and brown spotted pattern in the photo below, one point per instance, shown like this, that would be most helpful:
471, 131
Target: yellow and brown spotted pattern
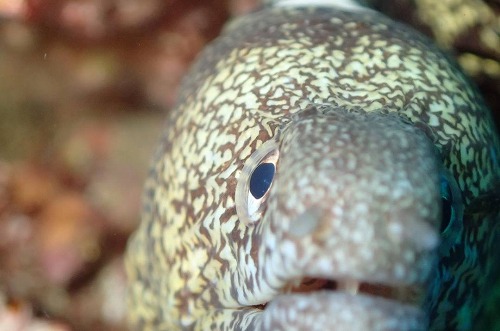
471, 27
192, 264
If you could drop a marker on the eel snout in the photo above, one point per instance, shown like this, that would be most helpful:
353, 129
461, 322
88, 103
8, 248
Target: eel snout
351, 225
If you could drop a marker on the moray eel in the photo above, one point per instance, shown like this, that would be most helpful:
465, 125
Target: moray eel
325, 168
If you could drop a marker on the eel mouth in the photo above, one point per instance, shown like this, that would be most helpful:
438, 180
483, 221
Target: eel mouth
407, 294
348, 304
402, 294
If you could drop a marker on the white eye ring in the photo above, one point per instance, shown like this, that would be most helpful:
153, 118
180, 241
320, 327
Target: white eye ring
249, 208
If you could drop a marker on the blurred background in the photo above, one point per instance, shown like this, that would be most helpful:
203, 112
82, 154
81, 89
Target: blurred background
85, 86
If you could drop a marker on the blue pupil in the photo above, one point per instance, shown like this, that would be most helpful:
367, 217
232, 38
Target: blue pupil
261, 179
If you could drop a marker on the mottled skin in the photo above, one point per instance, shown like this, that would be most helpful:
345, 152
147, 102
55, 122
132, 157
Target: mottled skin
468, 28
472, 29
365, 115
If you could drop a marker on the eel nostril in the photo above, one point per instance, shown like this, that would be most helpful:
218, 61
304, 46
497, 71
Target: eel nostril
305, 223
420, 234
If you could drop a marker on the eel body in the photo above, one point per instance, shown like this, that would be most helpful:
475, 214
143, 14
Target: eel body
324, 169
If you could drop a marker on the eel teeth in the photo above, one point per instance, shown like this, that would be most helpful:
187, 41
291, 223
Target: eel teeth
350, 286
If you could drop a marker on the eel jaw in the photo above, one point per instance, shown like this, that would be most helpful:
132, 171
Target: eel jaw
334, 311
352, 305
321, 304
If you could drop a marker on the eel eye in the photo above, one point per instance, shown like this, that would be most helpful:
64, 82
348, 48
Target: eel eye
451, 203
255, 181
261, 179
447, 213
